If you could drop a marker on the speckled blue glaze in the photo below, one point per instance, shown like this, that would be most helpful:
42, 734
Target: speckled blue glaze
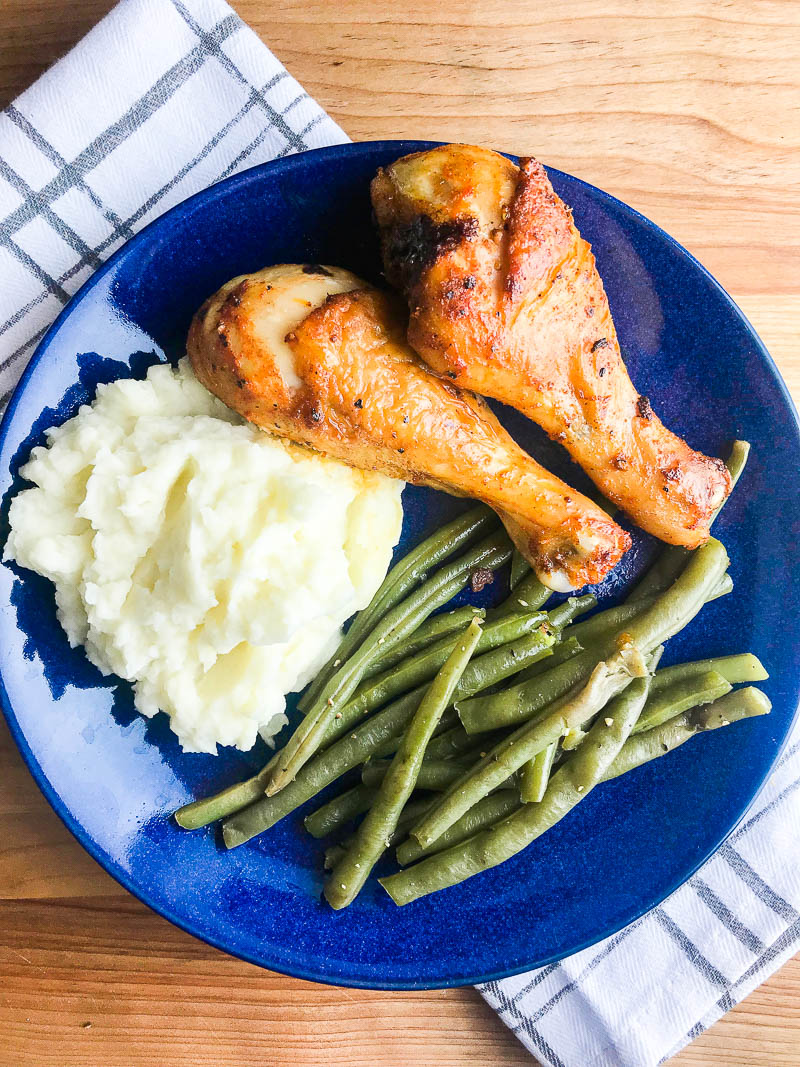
114, 777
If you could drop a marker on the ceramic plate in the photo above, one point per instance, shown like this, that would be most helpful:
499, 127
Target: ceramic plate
114, 777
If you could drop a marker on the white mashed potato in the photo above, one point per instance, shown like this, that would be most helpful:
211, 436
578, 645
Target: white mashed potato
210, 564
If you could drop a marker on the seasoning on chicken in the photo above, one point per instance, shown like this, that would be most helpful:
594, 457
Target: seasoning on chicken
314, 355
505, 298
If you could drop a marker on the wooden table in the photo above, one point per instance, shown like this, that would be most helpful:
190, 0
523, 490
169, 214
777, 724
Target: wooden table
688, 110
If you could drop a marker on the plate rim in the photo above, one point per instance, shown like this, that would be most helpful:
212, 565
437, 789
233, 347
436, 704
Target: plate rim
207, 195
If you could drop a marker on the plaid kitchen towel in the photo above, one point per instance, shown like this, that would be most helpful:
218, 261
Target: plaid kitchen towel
163, 98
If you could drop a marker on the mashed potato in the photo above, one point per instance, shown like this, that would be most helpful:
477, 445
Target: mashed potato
210, 564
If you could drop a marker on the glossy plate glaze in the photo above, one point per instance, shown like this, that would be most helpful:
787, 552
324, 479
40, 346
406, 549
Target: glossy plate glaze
114, 777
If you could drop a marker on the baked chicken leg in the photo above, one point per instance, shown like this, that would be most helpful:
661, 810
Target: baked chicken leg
505, 298
314, 355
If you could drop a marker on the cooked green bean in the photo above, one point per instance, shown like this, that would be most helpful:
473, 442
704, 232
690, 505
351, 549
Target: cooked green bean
665, 616
393, 628
599, 626
234, 798
608, 506
528, 595
607, 679
741, 667
424, 665
407, 573
620, 704
519, 568
333, 853
339, 810
381, 820
505, 631
722, 588
485, 670
536, 774
433, 629
485, 813
682, 695
575, 736
563, 614
605, 622
434, 774
641, 748
524, 700
414, 809
376, 737
456, 743
573, 780
560, 653
503, 662
672, 559
679, 688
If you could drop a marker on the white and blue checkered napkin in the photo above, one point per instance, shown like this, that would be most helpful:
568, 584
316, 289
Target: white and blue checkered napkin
163, 98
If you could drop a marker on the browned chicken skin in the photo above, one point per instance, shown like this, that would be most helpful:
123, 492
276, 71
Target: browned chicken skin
506, 299
315, 355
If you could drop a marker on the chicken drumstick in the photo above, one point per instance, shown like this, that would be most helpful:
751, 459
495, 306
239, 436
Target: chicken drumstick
505, 298
315, 355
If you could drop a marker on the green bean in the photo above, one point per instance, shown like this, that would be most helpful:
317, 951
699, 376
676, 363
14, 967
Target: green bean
498, 664
424, 665
485, 813
576, 736
528, 595
736, 463
393, 628
354, 867
664, 617
536, 774
333, 853
599, 626
503, 662
673, 558
573, 780
560, 653
563, 614
619, 704
482, 671
641, 748
741, 667
519, 568
234, 798
682, 695
433, 629
456, 743
407, 573
434, 774
523, 701
607, 679
684, 686
722, 588
339, 811
605, 622
376, 737
414, 809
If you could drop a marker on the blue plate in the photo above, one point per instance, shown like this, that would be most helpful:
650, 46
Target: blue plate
114, 777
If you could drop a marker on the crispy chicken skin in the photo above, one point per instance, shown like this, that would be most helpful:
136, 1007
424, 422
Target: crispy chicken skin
315, 355
506, 299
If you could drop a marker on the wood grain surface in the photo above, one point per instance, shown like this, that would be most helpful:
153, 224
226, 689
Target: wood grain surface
687, 110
